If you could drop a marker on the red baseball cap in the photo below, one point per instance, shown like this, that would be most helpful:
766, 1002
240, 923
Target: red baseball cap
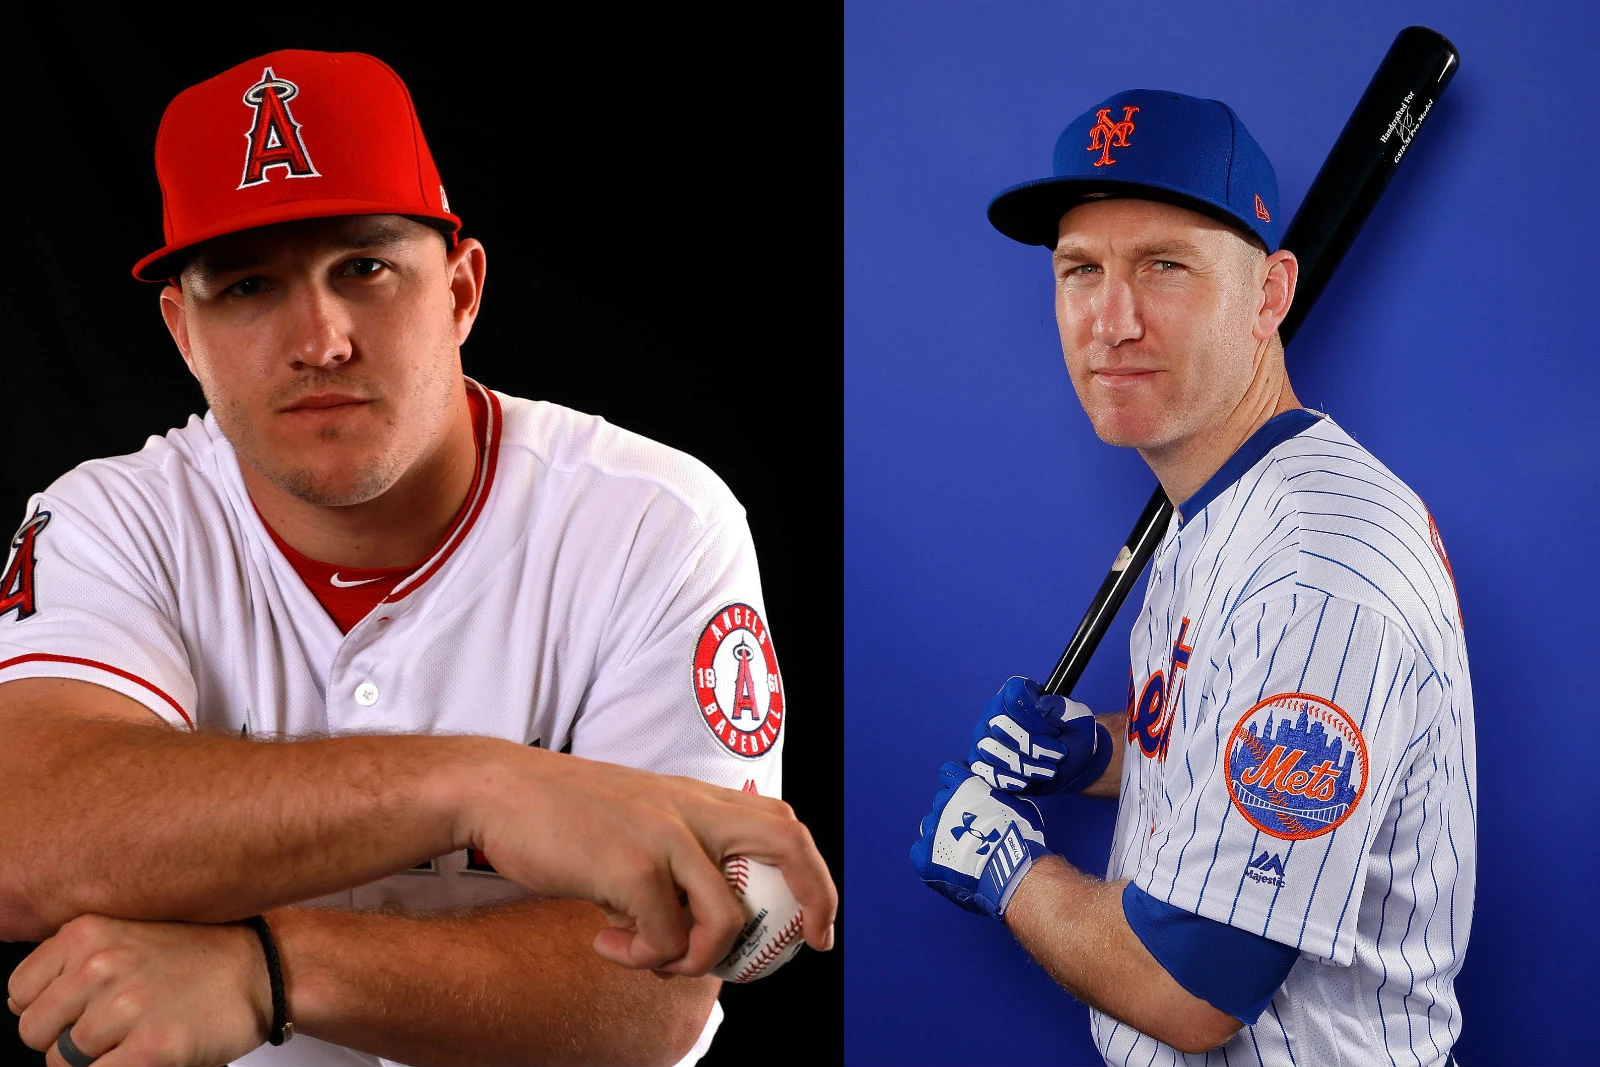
291, 135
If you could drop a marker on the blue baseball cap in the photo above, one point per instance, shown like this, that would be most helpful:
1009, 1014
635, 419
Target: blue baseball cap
1150, 144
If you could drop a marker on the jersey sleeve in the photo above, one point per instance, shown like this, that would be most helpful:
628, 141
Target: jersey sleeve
689, 682
1283, 784
1188, 947
84, 598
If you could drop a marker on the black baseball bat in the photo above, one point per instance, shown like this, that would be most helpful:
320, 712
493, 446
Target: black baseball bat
1375, 138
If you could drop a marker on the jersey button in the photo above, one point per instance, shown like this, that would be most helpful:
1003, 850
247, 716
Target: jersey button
366, 694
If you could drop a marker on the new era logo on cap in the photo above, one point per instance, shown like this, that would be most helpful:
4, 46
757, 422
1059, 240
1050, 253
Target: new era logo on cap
290, 135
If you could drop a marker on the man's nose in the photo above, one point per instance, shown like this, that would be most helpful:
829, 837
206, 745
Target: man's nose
1116, 313
320, 327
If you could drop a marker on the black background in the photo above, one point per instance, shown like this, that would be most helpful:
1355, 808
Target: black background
659, 198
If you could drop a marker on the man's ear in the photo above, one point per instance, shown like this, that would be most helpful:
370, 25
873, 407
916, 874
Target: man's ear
464, 266
1282, 272
176, 315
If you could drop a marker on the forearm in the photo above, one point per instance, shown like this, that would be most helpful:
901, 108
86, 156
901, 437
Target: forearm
120, 818
1074, 926
511, 984
1109, 784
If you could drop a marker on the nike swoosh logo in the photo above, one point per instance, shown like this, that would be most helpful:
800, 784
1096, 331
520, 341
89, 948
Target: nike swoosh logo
348, 585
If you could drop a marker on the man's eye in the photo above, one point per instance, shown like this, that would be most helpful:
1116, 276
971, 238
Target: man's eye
1078, 270
1167, 264
364, 267
247, 287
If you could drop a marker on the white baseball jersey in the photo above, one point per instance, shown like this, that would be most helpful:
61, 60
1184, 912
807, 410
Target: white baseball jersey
1301, 759
599, 593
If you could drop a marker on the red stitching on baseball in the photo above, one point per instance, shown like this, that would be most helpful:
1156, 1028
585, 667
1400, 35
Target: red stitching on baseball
737, 871
772, 951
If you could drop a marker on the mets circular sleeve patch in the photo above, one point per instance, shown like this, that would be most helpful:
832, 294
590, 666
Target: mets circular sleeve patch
1297, 766
736, 682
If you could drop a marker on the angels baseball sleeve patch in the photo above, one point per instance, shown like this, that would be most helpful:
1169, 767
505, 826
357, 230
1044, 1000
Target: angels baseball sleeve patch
1297, 766
736, 681
16, 587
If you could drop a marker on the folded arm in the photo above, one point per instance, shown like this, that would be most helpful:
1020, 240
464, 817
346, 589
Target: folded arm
118, 814
106, 813
513, 983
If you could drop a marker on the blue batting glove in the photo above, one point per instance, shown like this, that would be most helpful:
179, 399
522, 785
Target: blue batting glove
977, 844
1039, 743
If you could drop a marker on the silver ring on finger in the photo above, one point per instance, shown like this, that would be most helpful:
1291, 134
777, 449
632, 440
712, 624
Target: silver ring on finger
70, 1052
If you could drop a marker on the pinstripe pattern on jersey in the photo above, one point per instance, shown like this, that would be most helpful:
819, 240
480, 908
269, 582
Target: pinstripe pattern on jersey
1313, 571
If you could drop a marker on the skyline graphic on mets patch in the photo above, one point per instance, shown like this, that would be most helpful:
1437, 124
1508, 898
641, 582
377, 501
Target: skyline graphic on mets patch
1297, 766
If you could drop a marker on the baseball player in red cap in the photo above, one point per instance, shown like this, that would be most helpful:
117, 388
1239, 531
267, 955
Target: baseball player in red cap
372, 637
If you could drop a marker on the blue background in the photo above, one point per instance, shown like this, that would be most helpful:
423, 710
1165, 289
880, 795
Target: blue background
981, 512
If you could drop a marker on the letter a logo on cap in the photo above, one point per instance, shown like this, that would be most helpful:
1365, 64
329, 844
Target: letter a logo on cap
275, 136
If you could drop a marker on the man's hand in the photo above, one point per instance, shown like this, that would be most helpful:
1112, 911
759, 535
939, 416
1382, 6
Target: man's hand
631, 841
137, 994
1028, 742
977, 843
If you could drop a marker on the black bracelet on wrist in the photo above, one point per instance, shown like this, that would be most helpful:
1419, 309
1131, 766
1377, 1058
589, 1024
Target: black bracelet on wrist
282, 1029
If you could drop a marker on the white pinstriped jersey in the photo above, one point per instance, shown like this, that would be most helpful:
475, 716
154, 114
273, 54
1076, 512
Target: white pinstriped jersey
593, 597
1301, 758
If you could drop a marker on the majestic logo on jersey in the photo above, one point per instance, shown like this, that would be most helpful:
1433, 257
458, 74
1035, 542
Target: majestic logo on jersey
1297, 766
1150, 714
1106, 133
274, 136
16, 588
1267, 867
736, 681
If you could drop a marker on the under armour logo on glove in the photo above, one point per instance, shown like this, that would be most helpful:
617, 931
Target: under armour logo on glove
976, 844
1035, 742
967, 819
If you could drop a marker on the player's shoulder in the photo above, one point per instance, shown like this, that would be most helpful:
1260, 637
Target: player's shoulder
1336, 521
1324, 470
1341, 498
585, 455
171, 471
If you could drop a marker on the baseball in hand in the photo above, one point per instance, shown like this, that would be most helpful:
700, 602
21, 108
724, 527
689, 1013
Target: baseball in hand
771, 932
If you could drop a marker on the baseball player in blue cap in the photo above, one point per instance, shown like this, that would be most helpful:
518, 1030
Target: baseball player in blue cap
1291, 876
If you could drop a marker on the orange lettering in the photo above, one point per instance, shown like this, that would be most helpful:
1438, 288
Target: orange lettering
1273, 769
1321, 785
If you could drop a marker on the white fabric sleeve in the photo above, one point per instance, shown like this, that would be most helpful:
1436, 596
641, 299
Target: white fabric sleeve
101, 611
1283, 785
691, 593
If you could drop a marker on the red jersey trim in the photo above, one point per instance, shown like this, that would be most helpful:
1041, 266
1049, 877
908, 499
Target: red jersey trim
34, 657
480, 496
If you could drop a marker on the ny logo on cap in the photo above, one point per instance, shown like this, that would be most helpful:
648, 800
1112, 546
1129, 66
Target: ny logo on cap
1106, 133
275, 135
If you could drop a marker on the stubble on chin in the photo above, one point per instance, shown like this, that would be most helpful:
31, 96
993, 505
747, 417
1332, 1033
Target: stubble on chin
314, 487
306, 482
